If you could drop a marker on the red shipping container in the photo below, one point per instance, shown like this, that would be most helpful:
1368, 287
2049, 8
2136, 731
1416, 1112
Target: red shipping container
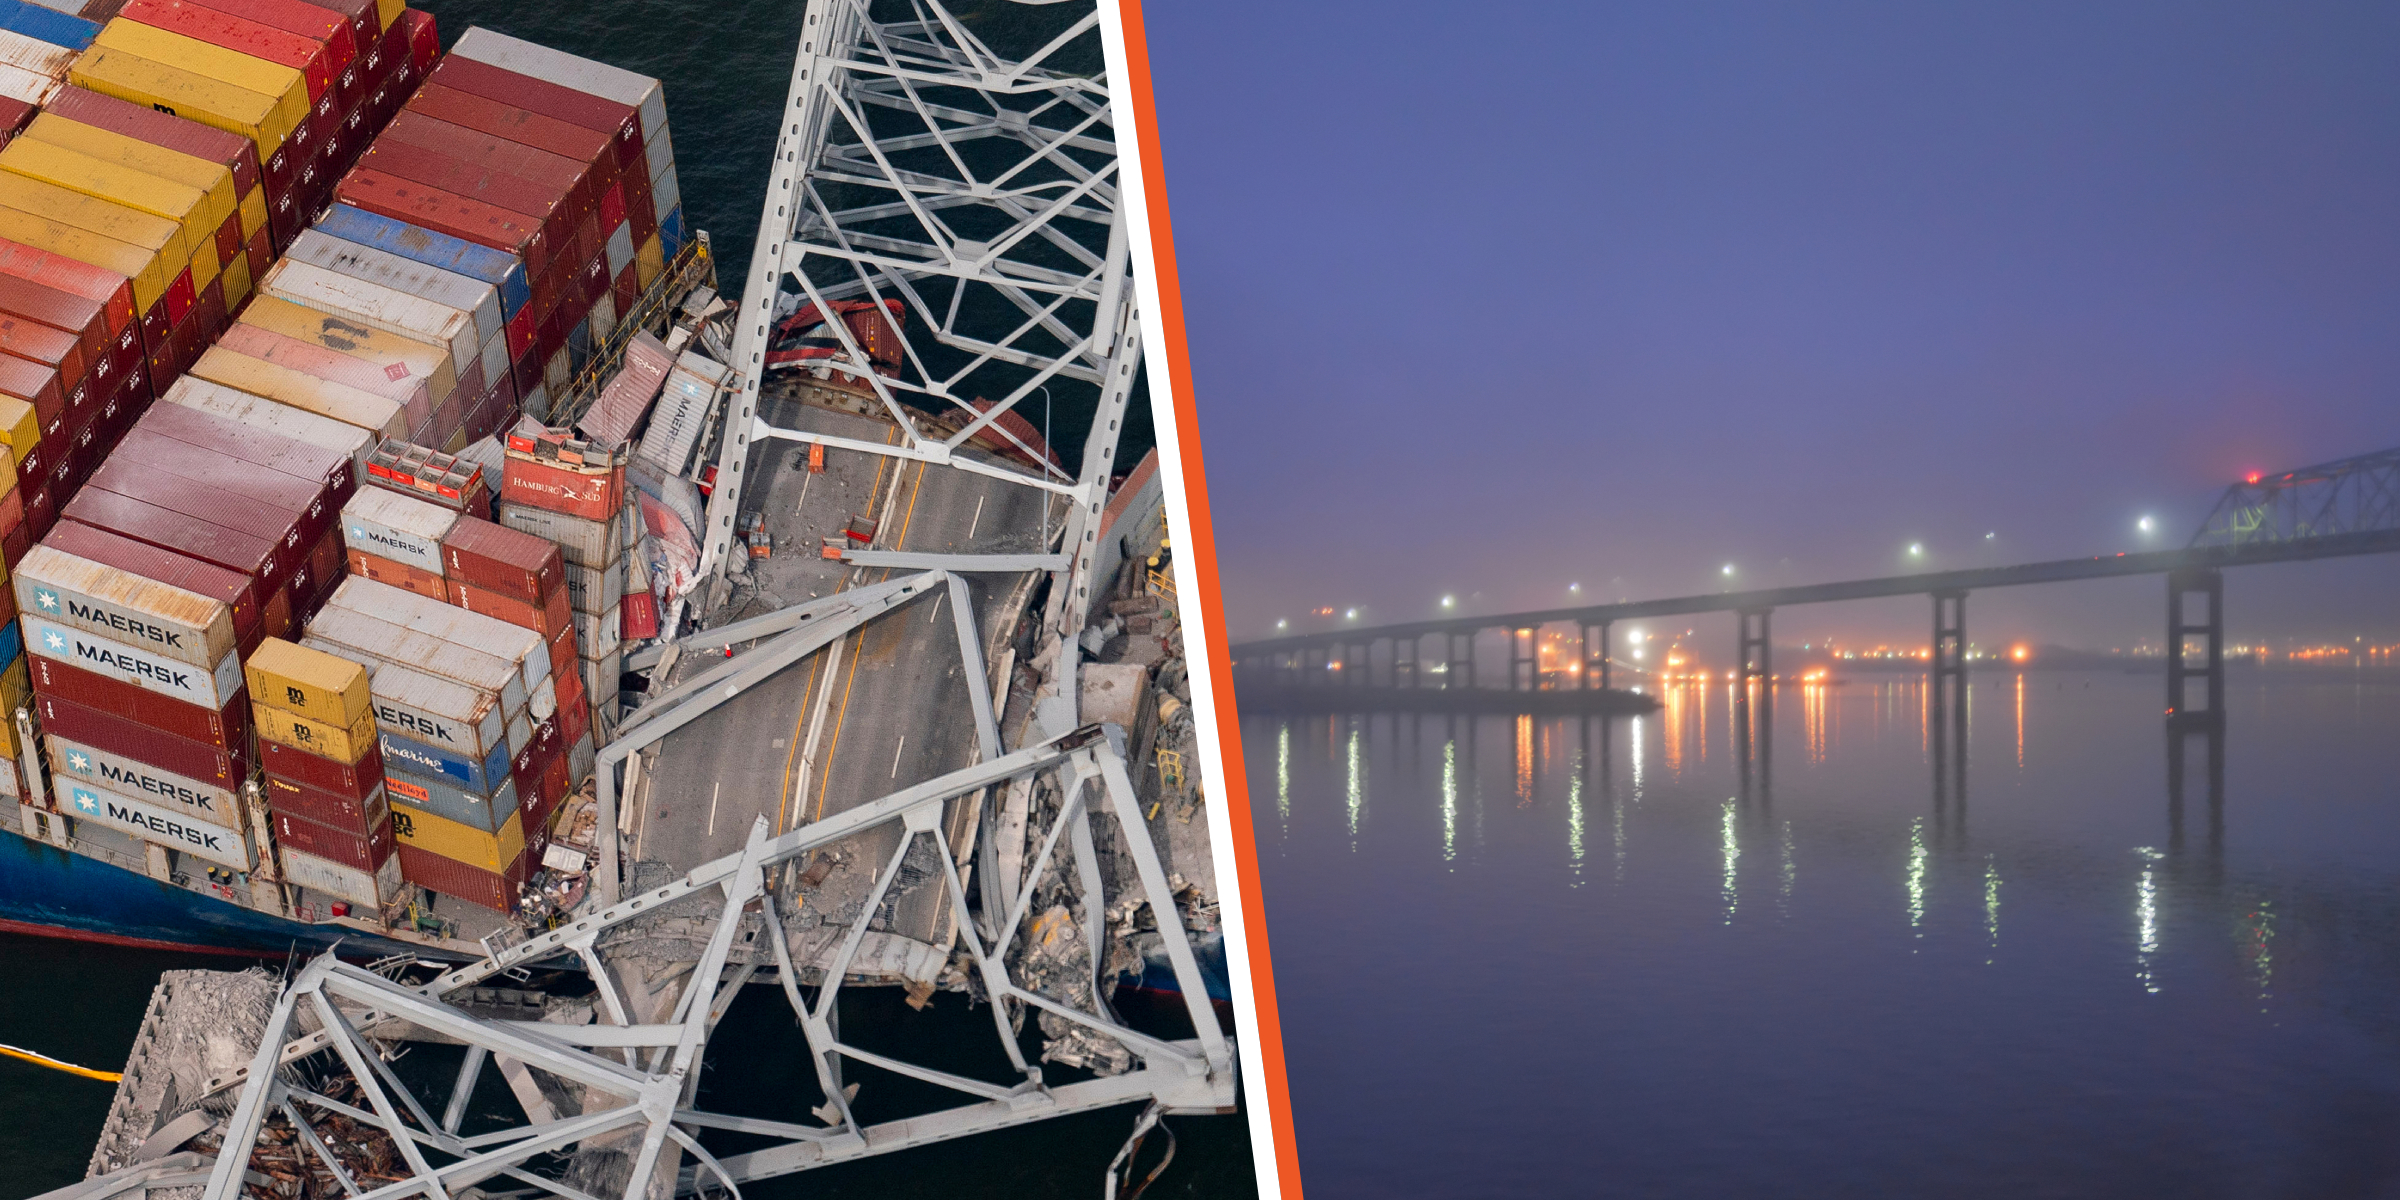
77, 315
545, 619
424, 42
224, 728
168, 529
15, 115
34, 384
562, 651
117, 734
358, 851
17, 541
310, 358
323, 465
295, 16
460, 881
356, 780
620, 122
626, 289
165, 566
251, 511
563, 490
574, 708
261, 252
589, 148
12, 519
366, 22
638, 616
525, 770
336, 809
565, 179
398, 574
234, 152
112, 290
442, 212
537, 205
309, 501
501, 560
313, 60
44, 345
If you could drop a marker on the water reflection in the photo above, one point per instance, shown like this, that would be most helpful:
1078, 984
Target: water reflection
1733, 858
1283, 773
1575, 803
1991, 904
1358, 785
2145, 916
1450, 800
1918, 856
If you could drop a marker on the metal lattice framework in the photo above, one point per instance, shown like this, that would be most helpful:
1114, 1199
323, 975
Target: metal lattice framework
919, 167
2352, 495
640, 1080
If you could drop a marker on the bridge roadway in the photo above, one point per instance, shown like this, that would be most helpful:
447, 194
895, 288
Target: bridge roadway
885, 708
2160, 562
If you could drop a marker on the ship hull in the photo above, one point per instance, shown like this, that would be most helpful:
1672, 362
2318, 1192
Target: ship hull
49, 892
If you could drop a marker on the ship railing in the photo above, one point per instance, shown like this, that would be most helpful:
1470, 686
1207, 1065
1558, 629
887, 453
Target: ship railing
694, 266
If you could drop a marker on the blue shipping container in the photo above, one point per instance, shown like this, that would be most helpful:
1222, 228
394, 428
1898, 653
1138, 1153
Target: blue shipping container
494, 267
409, 756
12, 644
670, 232
43, 24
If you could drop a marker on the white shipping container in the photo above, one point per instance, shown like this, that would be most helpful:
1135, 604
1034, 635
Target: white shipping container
374, 644
442, 713
9, 787
582, 758
620, 249
258, 412
116, 773
599, 636
401, 528
520, 733
600, 678
495, 361
639, 92
379, 415
545, 700
447, 288
153, 823
35, 55
32, 87
595, 589
659, 151
581, 541
375, 306
426, 615
102, 599
665, 193
208, 687
370, 890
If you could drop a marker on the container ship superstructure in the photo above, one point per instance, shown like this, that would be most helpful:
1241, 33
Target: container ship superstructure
316, 597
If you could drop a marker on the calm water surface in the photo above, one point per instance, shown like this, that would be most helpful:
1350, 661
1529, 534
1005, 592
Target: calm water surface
1588, 958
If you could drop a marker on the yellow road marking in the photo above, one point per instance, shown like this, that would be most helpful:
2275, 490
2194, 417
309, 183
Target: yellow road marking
817, 662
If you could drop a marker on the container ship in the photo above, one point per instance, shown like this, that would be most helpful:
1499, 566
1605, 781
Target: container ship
316, 594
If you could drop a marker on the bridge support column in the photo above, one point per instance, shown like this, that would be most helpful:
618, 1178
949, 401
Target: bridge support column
1755, 656
2195, 647
1404, 666
1459, 660
1524, 659
1947, 710
1595, 655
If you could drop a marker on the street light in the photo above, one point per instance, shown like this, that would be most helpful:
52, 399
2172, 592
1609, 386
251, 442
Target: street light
1916, 549
1729, 568
2145, 524
1449, 602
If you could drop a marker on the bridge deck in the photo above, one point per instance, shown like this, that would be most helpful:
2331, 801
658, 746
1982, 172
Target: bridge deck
2060, 571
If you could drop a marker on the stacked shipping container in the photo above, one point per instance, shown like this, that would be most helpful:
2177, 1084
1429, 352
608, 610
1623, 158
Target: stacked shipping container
160, 161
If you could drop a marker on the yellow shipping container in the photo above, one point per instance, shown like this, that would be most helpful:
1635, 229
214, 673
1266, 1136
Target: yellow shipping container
388, 11
649, 261
107, 218
214, 180
376, 414
16, 691
437, 834
423, 360
84, 246
187, 206
253, 208
237, 281
20, 428
310, 683
346, 745
216, 62
177, 92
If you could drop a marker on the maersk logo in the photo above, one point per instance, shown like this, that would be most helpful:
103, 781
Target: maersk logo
87, 802
122, 662
92, 614
79, 762
415, 724
361, 533
155, 786
205, 839
46, 600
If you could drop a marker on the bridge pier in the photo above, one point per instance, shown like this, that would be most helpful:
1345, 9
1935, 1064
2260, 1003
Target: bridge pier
1595, 655
1404, 668
1754, 659
1524, 659
2182, 632
1947, 702
1458, 660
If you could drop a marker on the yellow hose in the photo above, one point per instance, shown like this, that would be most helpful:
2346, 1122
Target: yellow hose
55, 1065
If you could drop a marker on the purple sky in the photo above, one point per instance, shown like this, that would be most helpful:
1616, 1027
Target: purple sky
1619, 294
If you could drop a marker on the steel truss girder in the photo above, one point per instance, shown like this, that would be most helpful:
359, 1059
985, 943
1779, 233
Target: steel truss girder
2348, 496
948, 91
653, 1091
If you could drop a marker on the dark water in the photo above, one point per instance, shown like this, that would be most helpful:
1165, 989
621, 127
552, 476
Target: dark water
1537, 958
